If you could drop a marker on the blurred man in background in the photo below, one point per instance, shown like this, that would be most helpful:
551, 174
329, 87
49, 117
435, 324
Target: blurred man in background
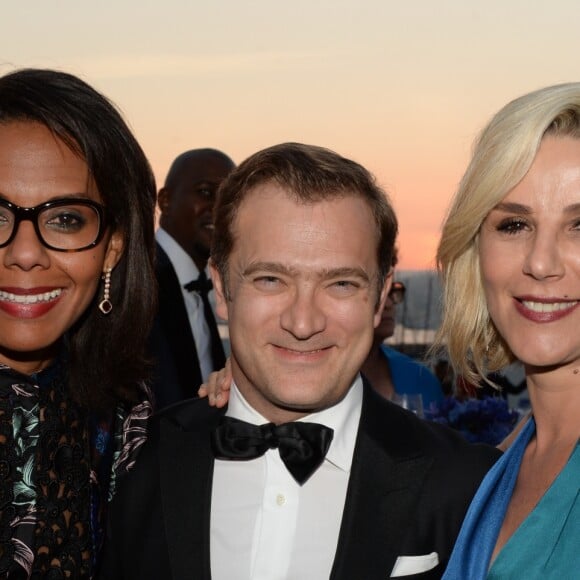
185, 342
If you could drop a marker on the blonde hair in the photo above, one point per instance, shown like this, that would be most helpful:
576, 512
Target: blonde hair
503, 154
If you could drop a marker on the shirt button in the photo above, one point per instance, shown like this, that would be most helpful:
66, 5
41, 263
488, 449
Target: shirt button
280, 499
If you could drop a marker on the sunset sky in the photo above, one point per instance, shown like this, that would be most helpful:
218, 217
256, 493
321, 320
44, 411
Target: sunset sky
401, 87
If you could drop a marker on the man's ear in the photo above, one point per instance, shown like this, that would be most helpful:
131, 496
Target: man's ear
221, 306
383, 298
163, 198
114, 250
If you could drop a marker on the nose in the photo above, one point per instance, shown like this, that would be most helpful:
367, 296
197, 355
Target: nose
544, 257
303, 317
26, 250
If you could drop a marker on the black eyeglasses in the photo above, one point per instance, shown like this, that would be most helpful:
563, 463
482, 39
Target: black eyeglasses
397, 292
64, 225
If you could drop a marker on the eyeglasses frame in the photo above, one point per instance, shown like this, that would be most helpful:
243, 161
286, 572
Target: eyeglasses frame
31, 214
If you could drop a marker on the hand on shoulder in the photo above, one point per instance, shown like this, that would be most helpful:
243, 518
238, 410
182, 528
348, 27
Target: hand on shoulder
217, 388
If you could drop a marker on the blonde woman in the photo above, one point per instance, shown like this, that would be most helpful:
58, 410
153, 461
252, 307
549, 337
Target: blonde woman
510, 260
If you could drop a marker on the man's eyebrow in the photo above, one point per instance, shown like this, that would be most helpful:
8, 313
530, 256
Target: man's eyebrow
572, 208
346, 272
325, 274
206, 181
271, 267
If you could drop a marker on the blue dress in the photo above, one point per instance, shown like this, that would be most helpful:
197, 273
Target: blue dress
547, 543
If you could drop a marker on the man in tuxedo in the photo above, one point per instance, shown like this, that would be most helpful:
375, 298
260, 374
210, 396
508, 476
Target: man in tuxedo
185, 342
308, 473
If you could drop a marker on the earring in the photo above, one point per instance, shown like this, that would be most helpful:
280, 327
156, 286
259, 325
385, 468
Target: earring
105, 305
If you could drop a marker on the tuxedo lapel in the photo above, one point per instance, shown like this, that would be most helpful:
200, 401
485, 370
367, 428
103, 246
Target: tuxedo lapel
175, 326
186, 472
385, 481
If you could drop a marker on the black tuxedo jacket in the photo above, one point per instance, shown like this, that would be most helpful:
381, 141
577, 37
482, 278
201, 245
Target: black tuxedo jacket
177, 373
410, 485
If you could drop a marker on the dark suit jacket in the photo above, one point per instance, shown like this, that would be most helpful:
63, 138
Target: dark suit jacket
177, 374
410, 485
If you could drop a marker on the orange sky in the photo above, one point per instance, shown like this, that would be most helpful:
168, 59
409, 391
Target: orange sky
402, 88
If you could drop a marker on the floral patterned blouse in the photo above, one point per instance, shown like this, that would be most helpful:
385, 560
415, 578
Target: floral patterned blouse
59, 467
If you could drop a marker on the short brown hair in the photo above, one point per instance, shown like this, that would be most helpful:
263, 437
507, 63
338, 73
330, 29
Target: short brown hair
312, 174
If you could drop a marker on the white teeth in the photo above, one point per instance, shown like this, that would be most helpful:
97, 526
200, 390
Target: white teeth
548, 306
29, 298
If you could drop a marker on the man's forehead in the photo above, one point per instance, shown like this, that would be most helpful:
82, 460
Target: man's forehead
203, 166
272, 220
273, 191
192, 169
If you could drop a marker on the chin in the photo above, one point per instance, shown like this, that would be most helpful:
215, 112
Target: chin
300, 406
547, 360
302, 400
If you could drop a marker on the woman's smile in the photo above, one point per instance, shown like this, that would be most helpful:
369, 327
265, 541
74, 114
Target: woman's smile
29, 302
544, 309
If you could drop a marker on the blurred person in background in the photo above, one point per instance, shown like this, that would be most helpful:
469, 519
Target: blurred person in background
391, 372
185, 342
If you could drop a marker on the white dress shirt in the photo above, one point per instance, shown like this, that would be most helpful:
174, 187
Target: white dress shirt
264, 525
187, 271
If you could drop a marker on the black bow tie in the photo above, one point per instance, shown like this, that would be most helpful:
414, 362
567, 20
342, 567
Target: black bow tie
302, 446
202, 285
